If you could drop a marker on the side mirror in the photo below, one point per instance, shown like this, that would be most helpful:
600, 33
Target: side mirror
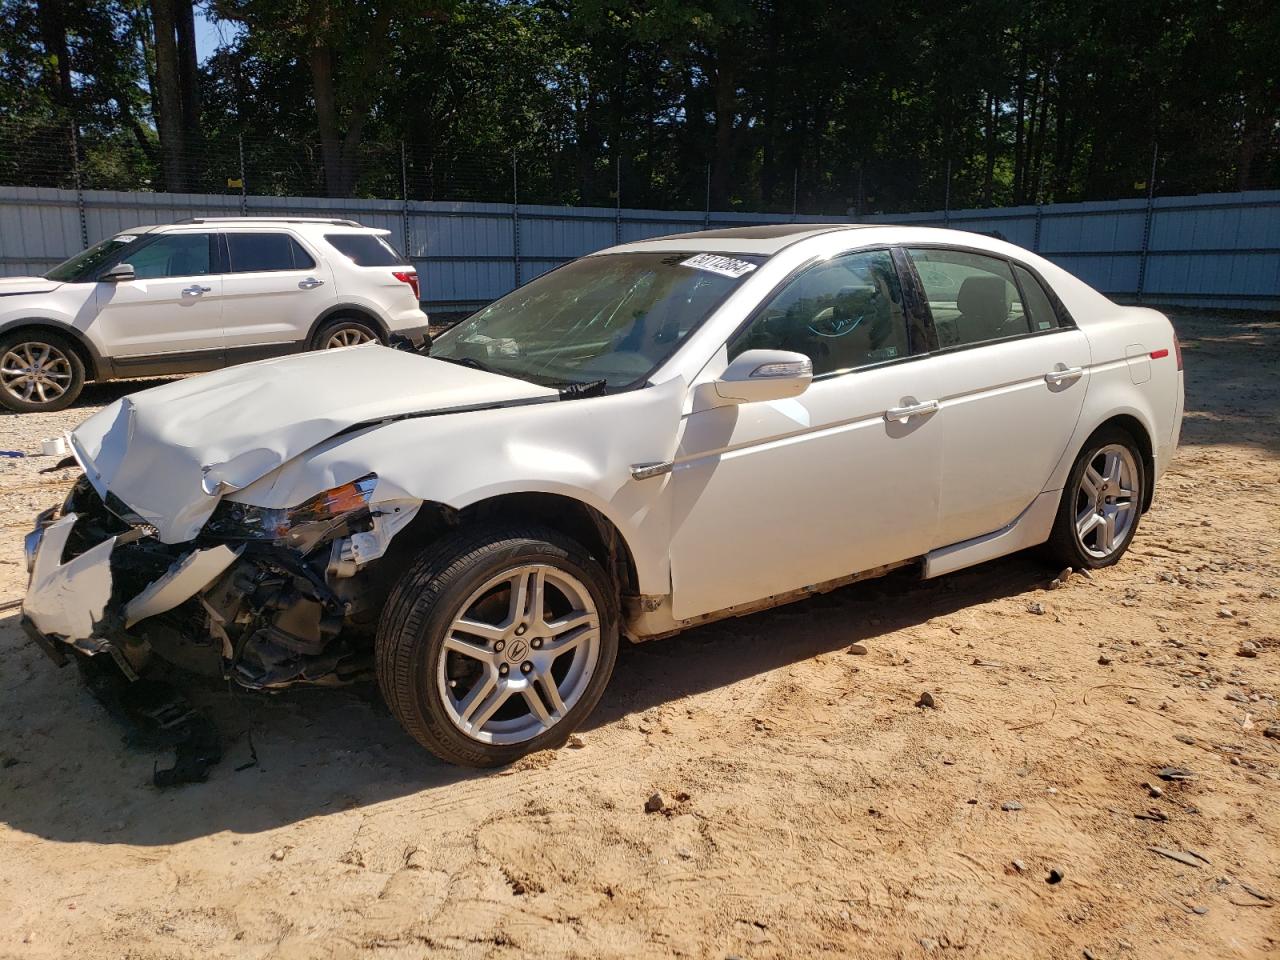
119, 273
765, 375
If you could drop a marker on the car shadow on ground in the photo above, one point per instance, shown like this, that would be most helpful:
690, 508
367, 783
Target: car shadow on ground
67, 773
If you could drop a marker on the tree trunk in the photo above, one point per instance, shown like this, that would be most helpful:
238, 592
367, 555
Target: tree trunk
168, 95
989, 168
53, 34
189, 82
327, 116
726, 101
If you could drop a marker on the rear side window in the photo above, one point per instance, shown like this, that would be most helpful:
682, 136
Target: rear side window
365, 250
973, 298
1035, 301
264, 252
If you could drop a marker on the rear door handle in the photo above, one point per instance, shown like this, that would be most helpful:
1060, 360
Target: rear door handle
310, 283
195, 290
1064, 375
911, 410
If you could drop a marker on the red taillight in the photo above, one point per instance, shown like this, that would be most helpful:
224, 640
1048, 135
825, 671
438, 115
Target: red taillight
411, 278
1159, 354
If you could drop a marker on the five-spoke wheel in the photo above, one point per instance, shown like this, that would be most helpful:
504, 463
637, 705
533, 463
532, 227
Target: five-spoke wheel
1102, 502
497, 642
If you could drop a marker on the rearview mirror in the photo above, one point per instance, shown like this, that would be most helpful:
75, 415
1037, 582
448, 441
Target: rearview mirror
765, 375
118, 273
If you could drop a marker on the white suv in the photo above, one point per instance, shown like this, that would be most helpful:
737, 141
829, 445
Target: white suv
197, 295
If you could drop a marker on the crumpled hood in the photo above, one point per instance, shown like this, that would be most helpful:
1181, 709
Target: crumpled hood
12, 286
171, 452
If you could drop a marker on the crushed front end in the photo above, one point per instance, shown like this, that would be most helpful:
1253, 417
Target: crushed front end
267, 597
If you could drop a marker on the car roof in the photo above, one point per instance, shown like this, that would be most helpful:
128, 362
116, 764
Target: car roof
196, 222
765, 240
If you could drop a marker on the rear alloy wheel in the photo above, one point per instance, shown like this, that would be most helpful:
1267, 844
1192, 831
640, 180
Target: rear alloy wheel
1100, 507
345, 333
38, 372
496, 643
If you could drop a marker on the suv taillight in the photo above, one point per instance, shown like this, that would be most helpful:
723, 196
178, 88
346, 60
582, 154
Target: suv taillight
411, 278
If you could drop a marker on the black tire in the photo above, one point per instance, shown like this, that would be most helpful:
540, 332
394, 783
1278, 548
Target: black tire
63, 368
1064, 547
357, 331
423, 604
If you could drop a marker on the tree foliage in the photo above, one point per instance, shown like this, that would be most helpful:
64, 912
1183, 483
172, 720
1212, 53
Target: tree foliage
758, 104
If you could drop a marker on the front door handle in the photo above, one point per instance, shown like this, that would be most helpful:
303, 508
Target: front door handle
1063, 375
310, 283
195, 290
911, 410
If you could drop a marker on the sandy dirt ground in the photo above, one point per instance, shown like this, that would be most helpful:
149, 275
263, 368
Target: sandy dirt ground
811, 806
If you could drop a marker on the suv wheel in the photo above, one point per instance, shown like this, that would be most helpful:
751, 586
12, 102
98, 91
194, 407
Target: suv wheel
345, 332
38, 371
497, 642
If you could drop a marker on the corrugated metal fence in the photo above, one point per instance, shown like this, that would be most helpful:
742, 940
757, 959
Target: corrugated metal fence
1218, 250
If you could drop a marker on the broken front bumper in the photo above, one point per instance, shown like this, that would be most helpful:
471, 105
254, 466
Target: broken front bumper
76, 603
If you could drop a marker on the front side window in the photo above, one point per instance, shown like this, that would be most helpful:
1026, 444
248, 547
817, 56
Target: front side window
842, 314
266, 252
365, 249
614, 317
172, 255
973, 298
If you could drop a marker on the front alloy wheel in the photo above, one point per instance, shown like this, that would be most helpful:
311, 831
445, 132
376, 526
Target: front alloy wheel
38, 373
497, 642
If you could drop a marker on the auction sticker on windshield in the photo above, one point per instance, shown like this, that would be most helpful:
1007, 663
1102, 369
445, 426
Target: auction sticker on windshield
714, 263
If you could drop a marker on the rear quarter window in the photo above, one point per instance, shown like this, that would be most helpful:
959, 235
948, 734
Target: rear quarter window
365, 250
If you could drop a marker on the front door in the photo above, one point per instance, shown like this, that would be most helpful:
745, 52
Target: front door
274, 290
1010, 382
171, 312
771, 497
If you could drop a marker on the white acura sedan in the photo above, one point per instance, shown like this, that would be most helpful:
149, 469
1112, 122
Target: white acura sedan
648, 438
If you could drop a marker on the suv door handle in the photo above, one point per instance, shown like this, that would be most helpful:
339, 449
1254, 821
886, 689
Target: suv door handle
310, 283
911, 410
195, 290
1063, 375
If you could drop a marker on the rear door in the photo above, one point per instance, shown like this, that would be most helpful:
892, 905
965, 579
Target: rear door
171, 311
274, 288
1010, 377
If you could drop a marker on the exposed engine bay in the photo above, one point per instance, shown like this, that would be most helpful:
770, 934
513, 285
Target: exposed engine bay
267, 597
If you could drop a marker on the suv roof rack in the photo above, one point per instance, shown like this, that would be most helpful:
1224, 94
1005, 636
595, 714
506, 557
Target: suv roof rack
332, 220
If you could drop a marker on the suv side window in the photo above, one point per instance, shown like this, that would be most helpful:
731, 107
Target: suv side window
842, 314
973, 298
265, 252
365, 249
173, 255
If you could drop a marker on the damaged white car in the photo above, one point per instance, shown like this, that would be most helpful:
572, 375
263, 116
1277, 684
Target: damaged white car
645, 439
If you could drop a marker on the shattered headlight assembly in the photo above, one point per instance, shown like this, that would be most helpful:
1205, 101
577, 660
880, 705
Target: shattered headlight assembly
302, 526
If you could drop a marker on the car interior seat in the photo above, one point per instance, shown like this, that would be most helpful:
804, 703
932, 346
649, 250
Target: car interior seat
984, 305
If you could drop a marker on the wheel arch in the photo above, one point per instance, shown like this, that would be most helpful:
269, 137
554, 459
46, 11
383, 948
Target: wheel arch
1136, 427
353, 310
574, 518
95, 368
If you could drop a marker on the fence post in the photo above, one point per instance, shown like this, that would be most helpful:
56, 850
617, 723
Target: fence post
75, 172
1146, 225
795, 192
946, 197
515, 218
244, 196
1035, 241
404, 197
706, 210
617, 208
